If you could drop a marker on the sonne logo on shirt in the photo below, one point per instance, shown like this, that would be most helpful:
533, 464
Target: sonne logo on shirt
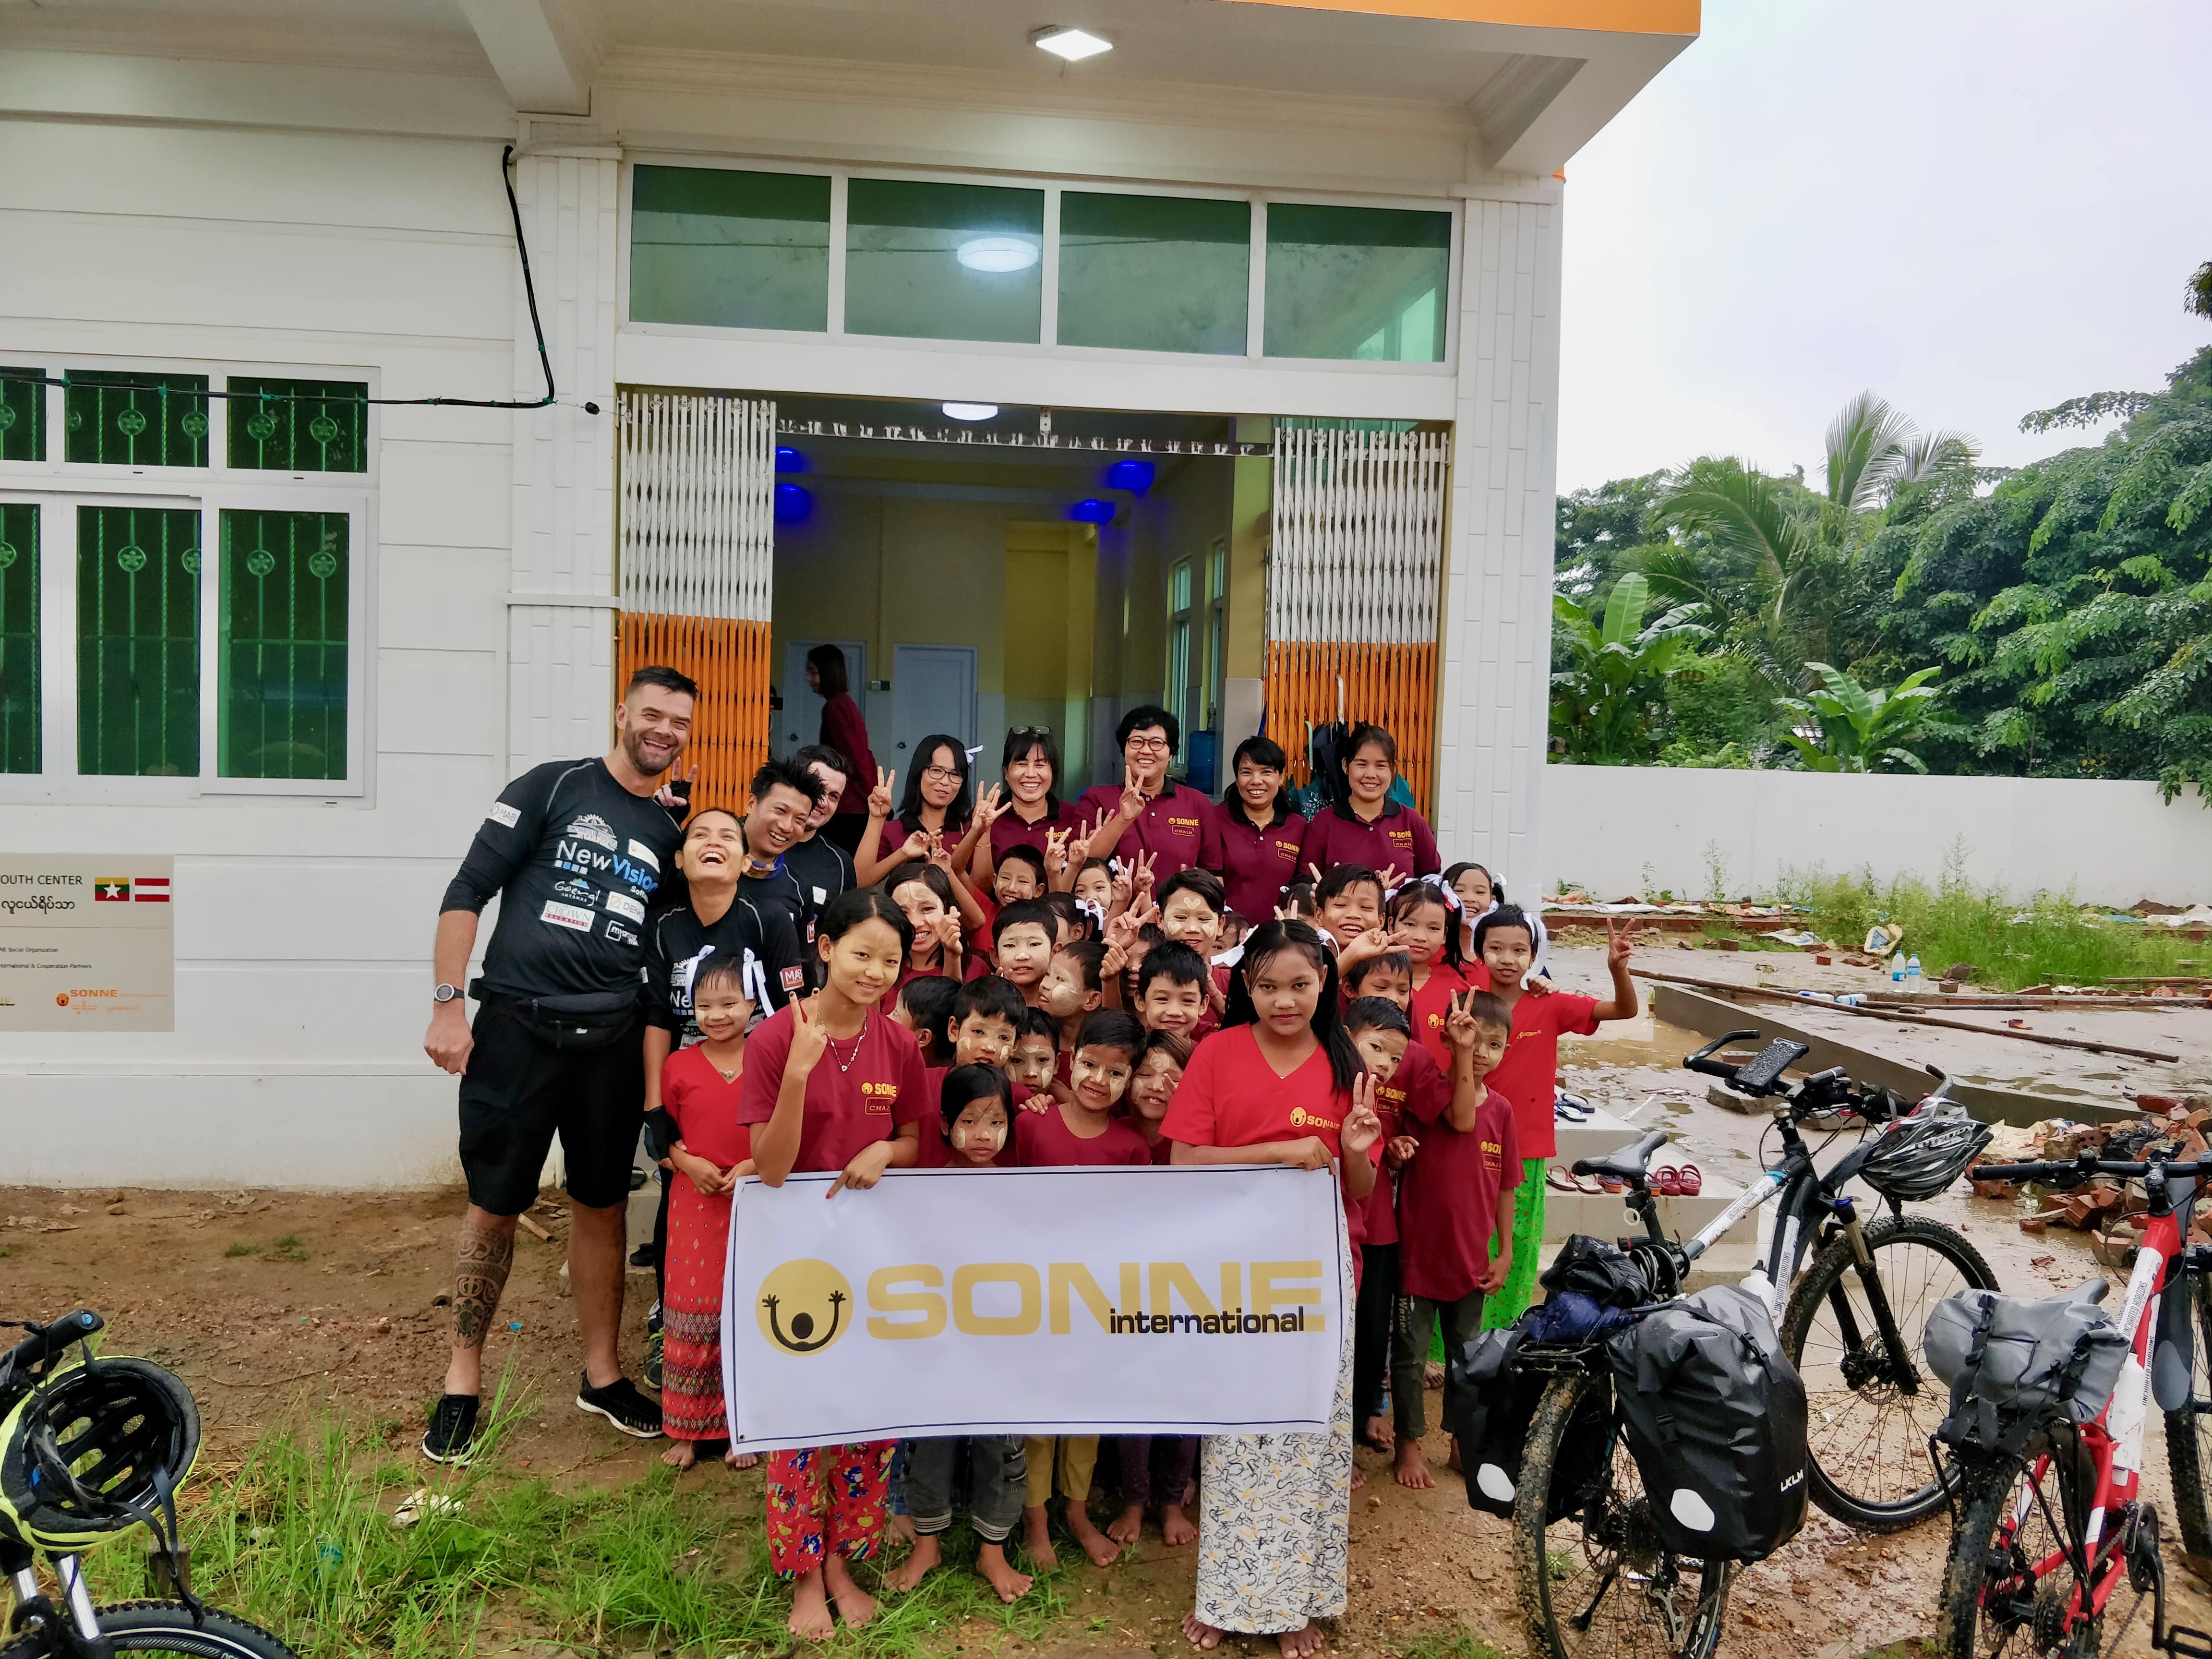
1302, 1119
804, 1305
877, 1097
1179, 825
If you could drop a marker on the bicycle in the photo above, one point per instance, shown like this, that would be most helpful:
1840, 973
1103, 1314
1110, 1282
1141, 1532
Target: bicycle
1851, 1325
92, 1450
2021, 1568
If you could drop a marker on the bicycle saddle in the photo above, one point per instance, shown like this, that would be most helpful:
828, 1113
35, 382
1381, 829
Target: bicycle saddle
1626, 1164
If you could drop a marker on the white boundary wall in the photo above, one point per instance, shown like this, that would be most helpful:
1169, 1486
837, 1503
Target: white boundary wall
2105, 842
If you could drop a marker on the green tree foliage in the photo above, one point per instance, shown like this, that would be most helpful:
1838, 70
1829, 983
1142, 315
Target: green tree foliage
1843, 727
1606, 701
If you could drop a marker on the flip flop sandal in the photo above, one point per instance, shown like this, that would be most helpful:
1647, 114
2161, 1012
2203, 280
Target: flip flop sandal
1667, 1180
1690, 1180
1591, 1184
1607, 1184
1566, 1109
1560, 1182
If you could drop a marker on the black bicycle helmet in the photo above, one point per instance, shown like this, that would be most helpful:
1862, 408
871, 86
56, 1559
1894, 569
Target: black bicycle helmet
1913, 1160
95, 1451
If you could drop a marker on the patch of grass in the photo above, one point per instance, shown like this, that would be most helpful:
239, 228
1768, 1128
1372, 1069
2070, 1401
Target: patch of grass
299, 1539
1450, 1645
241, 1247
2047, 940
288, 1248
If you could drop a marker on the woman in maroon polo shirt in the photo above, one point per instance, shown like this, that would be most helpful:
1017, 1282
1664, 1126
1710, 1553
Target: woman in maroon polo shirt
1148, 812
1029, 764
1261, 835
845, 730
1367, 826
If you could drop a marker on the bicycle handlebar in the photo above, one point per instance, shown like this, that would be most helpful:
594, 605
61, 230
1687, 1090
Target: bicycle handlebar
2081, 1169
46, 1341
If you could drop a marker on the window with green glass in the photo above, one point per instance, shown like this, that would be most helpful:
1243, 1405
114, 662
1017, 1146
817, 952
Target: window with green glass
146, 417
138, 641
1357, 283
729, 249
22, 414
1154, 273
298, 426
281, 646
944, 261
19, 637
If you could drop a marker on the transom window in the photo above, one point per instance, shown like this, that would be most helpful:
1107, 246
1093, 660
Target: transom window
181, 581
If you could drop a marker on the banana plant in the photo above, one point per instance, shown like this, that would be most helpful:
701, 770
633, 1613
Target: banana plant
1847, 727
1610, 693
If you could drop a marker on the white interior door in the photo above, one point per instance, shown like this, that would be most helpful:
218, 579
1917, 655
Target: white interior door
933, 689
798, 722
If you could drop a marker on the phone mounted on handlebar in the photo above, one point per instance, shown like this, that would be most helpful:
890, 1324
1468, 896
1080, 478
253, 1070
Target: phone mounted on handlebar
1759, 1076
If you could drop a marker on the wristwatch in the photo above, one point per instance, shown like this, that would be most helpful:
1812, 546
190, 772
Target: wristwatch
446, 994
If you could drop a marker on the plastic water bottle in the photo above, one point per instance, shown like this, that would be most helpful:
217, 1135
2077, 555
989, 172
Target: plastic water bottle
1914, 979
1760, 1285
1897, 967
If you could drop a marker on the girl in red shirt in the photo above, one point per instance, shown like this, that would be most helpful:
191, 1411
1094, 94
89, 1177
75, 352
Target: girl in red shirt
1280, 1082
1422, 920
833, 1083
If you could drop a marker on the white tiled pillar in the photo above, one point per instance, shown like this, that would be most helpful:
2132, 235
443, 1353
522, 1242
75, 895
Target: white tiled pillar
561, 648
1497, 611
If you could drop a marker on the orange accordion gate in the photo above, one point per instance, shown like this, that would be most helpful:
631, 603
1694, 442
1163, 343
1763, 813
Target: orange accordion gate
1393, 686
730, 661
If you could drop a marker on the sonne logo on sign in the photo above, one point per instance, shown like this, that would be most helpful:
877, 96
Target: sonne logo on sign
804, 1305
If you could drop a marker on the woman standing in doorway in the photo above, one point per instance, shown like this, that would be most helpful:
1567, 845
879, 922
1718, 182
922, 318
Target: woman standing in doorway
1367, 826
844, 730
1261, 835
1279, 1083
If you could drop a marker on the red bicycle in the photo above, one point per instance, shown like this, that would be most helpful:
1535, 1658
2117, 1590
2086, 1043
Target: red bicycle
2048, 1523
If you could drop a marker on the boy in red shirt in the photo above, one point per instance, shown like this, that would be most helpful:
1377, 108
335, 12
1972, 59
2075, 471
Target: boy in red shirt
979, 1028
1071, 989
1036, 1051
1081, 1131
1529, 1076
1171, 991
1022, 943
1379, 1028
1456, 1202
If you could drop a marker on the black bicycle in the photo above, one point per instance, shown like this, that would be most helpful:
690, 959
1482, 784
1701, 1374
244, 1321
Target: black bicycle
1851, 1323
92, 1450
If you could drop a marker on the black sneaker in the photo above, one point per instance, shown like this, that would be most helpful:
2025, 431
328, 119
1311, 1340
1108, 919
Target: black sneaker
621, 1405
652, 1352
452, 1433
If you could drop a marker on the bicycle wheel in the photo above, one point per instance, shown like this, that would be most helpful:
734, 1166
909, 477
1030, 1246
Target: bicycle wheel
167, 1627
1870, 1410
1994, 1604
1596, 1581
2189, 1439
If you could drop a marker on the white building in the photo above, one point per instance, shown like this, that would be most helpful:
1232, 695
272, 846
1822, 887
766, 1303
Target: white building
1215, 248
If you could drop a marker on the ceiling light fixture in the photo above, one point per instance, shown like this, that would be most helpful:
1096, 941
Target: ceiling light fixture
997, 253
972, 411
1073, 44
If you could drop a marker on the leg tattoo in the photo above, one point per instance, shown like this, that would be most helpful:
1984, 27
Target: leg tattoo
481, 1263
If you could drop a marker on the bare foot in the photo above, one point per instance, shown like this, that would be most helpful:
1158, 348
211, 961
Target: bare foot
738, 1460
1103, 1551
1129, 1526
1412, 1468
1379, 1435
1433, 1373
991, 1561
680, 1455
1453, 1462
854, 1605
909, 1573
1037, 1538
902, 1527
1359, 1477
1301, 1643
1200, 1634
1176, 1529
809, 1619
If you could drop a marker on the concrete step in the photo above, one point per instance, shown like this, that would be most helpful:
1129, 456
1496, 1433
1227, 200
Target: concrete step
1603, 1133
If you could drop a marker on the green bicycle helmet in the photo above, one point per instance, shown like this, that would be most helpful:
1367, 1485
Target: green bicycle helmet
93, 1452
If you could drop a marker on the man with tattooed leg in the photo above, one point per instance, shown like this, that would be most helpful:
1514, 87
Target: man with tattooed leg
573, 850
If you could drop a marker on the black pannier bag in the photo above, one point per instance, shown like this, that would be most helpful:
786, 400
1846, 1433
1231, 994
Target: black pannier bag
1714, 1414
1495, 1400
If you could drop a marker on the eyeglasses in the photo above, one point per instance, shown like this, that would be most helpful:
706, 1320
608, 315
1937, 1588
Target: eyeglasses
1148, 744
942, 773
1021, 732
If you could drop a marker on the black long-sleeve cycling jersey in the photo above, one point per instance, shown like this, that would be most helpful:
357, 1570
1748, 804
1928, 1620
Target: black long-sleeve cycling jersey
760, 939
574, 857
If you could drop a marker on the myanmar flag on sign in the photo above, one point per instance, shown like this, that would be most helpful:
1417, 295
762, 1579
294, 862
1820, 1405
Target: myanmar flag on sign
112, 890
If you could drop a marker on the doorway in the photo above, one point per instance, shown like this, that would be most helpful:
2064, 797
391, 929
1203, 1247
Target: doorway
933, 690
798, 722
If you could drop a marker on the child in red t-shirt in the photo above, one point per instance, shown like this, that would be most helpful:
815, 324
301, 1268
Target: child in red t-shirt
1529, 1076
1070, 990
1022, 945
1399, 1065
921, 1005
1036, 1053
1152, 1086
978, 1029
1422, 920
1386, 975
1171, 989
1455, 1213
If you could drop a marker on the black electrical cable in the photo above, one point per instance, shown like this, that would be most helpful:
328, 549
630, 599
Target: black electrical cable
536, 328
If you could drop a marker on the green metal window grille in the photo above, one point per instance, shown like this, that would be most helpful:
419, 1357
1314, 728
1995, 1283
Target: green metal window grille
22, 414
281, 655
111, 422
1154, 273
730, 249
19, 638
138, 641
269, 432
1357, 283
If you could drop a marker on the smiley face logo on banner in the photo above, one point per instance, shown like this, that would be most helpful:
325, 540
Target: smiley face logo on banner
804, 1306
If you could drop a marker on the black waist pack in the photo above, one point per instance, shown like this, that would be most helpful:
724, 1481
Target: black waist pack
569, 1030
1714, 1414
1492, 1400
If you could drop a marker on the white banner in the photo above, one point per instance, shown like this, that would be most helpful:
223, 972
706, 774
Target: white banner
1172, 1300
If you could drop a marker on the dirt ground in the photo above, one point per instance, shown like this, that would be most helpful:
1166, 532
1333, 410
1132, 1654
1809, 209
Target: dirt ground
266, 1300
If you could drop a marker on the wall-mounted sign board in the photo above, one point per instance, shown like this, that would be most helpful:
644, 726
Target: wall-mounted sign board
87, 943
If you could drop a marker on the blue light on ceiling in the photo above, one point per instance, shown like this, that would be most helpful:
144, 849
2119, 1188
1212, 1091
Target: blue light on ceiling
788, 459
1092, 511
1135, 477
794, 503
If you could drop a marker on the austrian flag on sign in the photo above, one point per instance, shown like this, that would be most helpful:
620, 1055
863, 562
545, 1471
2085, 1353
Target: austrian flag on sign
150, 890
112, 890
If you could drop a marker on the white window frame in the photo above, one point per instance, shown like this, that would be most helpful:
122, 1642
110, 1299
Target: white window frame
1252, 357
58, 488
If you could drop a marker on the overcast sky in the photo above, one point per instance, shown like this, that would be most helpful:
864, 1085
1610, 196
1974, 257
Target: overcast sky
1974, 206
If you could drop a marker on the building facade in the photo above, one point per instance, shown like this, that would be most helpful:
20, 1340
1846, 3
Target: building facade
272, 615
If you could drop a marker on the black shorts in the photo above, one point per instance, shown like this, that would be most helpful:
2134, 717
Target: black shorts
520, 1091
